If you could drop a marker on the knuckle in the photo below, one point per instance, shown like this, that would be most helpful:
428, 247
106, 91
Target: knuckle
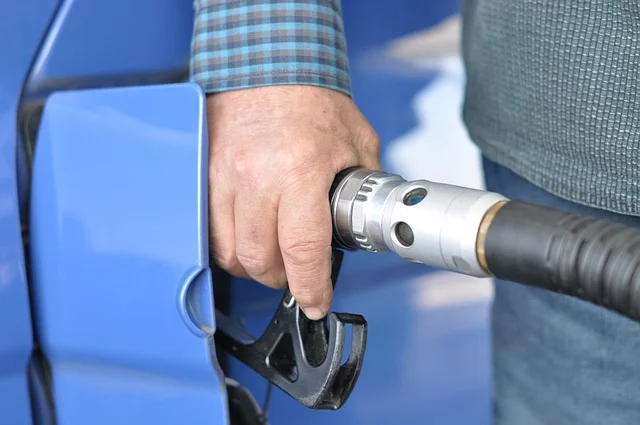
308, 254
369, 135
263, 268
244, 164
275, 279
370, 143
288, 159
372, 147
225, 261
254, 262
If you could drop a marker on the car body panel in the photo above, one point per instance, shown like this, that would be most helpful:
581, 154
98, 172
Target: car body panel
114, 43
122, 290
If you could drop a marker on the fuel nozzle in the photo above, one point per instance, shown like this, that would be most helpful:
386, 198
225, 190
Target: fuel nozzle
484, 234
421, 221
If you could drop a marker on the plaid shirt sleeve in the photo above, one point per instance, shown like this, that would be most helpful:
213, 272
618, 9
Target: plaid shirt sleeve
250, 43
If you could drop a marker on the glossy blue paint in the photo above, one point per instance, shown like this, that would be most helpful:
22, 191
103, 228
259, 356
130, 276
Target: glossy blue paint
24, 23
115, 42
122, 290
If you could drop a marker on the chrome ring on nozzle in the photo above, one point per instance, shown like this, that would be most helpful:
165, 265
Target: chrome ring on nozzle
357, 204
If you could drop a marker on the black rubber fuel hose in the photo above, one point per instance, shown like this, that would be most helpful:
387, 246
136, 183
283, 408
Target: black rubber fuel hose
584, 257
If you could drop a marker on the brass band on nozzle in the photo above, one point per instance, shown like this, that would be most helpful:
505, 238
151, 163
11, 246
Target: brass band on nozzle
482, 234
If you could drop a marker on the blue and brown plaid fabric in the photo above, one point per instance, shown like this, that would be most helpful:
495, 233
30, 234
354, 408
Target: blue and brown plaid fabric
250, 43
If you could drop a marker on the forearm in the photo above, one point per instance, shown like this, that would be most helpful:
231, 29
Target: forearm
252, 43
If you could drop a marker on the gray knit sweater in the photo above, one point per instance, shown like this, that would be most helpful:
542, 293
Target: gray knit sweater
553, 93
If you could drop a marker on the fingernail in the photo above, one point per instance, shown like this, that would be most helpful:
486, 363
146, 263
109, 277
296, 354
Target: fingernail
313, 313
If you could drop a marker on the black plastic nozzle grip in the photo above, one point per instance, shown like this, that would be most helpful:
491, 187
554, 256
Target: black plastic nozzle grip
584, 257
302, 357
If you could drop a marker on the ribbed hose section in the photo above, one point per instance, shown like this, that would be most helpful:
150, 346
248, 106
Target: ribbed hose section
592, 259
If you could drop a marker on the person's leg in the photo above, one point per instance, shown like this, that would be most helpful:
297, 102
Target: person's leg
559, 360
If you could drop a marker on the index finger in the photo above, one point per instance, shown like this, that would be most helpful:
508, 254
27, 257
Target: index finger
305, 233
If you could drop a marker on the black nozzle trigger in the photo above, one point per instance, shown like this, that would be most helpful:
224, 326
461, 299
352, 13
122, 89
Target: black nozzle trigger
300, 356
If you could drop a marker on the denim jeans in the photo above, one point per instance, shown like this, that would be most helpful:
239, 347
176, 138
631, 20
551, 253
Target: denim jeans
558, 360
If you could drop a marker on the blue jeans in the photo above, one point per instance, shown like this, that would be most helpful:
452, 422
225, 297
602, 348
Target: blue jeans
559, 360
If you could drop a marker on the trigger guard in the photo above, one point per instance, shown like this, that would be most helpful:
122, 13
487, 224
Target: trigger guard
325, 384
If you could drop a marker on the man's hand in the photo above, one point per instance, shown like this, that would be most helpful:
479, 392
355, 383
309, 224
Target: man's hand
274, 153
